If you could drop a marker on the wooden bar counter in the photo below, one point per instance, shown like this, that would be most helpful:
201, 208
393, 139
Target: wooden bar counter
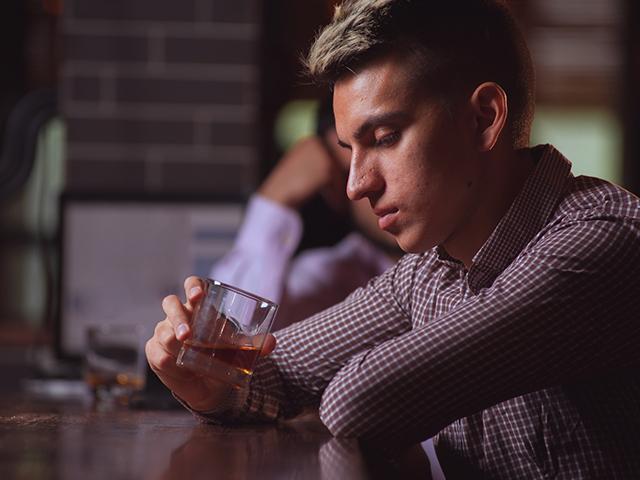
70, 439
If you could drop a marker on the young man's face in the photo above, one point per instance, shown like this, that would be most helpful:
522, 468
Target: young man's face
414, 160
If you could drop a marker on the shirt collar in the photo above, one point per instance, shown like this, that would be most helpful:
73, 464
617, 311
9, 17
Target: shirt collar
528, 213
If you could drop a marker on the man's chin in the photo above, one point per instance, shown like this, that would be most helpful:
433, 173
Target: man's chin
414, 245
412, 250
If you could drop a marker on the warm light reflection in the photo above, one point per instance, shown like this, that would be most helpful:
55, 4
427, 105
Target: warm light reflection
52, 7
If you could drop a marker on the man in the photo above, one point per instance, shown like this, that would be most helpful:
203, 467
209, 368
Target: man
509, 331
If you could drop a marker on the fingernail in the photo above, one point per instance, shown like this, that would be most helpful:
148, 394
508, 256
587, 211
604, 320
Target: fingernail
181, 330
194, 291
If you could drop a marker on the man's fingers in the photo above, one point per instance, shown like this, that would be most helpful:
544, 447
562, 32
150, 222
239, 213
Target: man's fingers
165, 336
161, 362
177, 316
193, 288
177, 379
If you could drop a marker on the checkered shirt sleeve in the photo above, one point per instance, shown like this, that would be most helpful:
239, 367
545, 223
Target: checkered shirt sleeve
537, 325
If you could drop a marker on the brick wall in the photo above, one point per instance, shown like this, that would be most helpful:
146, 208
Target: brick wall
161, 96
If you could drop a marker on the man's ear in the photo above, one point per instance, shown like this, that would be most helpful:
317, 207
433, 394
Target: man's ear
489, 105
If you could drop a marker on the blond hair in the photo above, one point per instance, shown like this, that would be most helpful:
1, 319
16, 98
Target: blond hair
352, 31
458, 44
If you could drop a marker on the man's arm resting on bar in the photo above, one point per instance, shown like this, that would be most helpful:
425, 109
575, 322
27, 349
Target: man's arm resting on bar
567, 318
308, 354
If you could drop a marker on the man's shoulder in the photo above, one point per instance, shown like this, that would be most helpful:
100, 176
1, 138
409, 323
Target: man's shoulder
591, 198
594, 218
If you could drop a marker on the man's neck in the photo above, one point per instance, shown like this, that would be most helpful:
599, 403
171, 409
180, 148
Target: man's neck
502, 185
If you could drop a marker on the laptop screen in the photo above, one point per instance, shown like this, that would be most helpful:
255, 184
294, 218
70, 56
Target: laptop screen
121, 257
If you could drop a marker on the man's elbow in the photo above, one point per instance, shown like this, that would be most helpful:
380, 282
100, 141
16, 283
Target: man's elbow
344, 415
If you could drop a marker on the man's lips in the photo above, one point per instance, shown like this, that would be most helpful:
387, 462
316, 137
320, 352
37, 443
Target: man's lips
386, 217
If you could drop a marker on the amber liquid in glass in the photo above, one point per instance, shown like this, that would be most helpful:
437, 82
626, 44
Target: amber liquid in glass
240, 357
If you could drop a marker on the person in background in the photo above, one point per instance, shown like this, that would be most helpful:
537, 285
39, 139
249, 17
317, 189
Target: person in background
262, 259
509, 330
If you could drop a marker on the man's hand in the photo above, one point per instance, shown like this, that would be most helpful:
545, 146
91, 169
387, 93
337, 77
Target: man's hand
199, 392
307, 169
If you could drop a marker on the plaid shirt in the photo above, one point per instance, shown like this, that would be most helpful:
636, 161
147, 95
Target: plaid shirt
522, 366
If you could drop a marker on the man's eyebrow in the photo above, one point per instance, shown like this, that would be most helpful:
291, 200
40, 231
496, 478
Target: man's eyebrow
381, 119
374, 121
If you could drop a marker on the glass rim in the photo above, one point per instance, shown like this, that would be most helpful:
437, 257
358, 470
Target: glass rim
240, 291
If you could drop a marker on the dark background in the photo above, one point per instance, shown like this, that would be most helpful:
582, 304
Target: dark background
182, 97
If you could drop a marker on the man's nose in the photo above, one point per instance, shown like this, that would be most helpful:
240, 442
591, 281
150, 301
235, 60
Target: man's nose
363, 178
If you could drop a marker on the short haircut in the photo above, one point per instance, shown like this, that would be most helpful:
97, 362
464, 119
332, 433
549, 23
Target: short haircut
454, 45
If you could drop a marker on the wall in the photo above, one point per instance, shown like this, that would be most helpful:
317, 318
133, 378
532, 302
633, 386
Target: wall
161, 96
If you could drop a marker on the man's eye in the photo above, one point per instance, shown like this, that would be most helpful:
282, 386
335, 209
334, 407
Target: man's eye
387, 140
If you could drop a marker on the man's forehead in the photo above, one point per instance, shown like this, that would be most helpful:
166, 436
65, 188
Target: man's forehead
373, 86
375, 92
386, 68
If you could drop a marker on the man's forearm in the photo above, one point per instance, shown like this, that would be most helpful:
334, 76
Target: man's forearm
308, 354
523, 334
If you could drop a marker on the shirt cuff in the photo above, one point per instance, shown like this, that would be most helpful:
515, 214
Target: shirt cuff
270, 227
229, 410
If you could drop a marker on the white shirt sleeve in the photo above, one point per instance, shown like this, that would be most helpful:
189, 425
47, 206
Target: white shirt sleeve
259, 260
